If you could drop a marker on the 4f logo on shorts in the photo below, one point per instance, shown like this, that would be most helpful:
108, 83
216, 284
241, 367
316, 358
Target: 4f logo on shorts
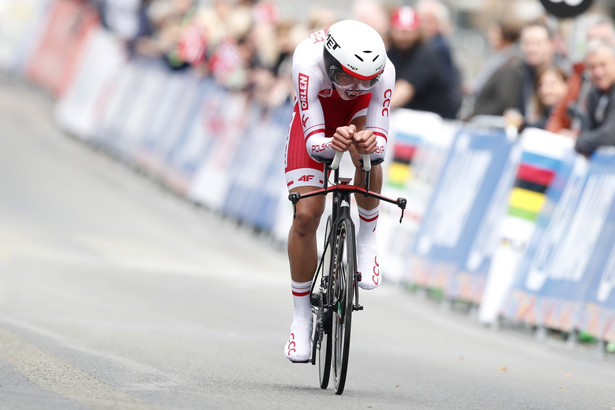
304, 82
566, 8
306, 178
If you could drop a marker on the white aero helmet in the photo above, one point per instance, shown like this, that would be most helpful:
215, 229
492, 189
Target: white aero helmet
354, 48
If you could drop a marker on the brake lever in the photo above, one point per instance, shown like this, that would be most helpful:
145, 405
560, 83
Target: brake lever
401, 202
294, 197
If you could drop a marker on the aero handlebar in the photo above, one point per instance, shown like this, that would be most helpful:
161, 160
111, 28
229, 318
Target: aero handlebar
295, 197
367, 162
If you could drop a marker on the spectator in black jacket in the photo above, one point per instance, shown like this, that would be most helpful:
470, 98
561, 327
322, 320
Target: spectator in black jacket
436, 27
496, 89
600, 124
421, 82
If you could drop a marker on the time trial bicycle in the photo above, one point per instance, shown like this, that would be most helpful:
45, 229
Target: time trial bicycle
337, 295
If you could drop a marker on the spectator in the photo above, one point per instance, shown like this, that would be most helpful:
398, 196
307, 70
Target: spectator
420, 83
497, 86
122, 17
273, 85
600, 128
538, 49
550, 88
168, 19
436, 26
568, 113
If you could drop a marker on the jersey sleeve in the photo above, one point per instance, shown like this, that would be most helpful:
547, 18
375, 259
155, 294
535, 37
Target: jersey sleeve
308, 81
379, 111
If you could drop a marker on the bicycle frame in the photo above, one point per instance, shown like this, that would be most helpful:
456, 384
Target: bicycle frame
341, 191
333, 257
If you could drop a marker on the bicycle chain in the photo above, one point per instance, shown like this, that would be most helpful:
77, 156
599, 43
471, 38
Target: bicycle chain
321, 320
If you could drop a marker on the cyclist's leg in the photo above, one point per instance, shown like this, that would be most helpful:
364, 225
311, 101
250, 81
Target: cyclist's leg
367, 247
303, 174
303, 258
302, 249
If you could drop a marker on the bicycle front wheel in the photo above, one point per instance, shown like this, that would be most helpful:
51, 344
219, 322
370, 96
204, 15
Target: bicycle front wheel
322, 338
343, 275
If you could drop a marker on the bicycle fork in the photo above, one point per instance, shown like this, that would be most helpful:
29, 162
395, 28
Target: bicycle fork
344, 213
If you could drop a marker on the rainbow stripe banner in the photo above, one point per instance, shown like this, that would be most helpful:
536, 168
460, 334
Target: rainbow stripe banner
566, 279
541, 159
411, 132
419, 143
534, 176
561, 202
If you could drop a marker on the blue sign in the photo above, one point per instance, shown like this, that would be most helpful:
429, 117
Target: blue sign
461, 199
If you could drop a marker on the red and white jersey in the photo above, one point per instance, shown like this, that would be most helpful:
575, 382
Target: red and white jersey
315, 93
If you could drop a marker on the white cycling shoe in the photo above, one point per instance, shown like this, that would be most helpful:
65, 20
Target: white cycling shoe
298, 349
369, 268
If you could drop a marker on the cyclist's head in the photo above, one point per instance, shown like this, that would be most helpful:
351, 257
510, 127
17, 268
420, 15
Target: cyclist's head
354, 56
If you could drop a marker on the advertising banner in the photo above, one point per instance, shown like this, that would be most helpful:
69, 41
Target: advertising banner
461, 198
195, 140
20, 26
565, 280
225, 116
66, 34
78, 110
126, 106
257, 170
542, 153
169, 126
143, 86
419, 143
597, 315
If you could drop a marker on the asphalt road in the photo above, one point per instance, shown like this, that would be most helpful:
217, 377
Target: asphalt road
115, 294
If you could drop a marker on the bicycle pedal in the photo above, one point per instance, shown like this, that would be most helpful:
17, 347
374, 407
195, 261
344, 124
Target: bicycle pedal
357, 307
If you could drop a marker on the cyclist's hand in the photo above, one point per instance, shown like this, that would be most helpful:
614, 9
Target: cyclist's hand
365, 142
343, 138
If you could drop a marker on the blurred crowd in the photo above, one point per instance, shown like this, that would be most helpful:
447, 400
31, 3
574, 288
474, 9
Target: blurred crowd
529, 77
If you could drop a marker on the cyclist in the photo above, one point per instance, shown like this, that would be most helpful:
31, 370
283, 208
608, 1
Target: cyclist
343, 81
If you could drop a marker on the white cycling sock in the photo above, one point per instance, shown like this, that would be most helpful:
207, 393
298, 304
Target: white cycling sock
301, 300
367, 249
368, 220
298, 347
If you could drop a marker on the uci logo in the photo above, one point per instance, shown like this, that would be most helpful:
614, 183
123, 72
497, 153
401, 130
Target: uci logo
566, 8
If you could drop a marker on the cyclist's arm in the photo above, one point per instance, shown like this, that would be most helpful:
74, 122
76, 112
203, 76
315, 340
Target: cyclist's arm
308, 80
379, 110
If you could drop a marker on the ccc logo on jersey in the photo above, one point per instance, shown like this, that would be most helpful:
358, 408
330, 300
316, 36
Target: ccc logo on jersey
387, 102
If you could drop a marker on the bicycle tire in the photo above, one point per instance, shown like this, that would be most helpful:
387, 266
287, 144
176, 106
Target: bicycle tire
324, 321
343, 275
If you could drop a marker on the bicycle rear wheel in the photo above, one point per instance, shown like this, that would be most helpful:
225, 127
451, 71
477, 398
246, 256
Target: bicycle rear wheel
343, 275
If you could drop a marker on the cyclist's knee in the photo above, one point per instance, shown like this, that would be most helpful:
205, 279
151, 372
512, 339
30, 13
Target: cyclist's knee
306, 221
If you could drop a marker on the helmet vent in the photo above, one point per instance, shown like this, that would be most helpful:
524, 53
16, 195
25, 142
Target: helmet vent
357, 56
375, 58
